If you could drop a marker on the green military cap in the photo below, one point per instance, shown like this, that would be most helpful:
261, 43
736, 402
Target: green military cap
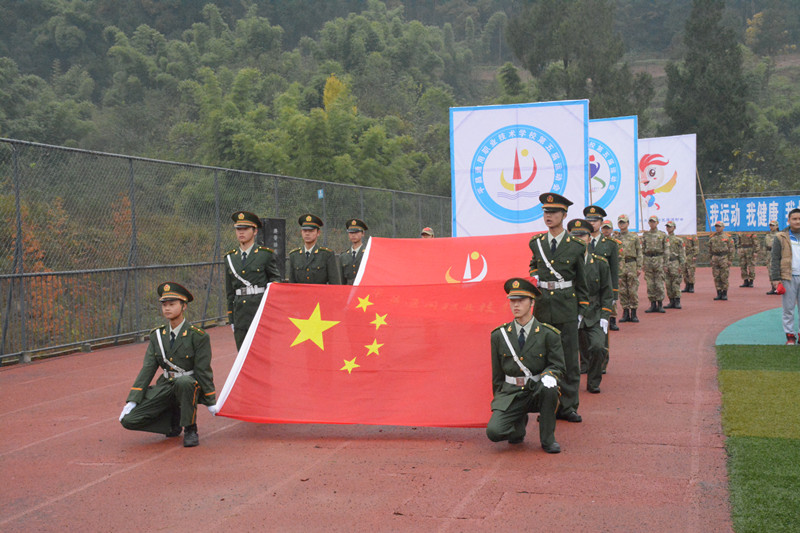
309, 221
174, 291
552, 202
594, 212
607, 224
517, 288
671, 224
579, 226
353, 225
623, 218
245, 219
653, 218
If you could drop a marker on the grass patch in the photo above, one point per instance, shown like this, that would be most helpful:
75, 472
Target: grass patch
761, 418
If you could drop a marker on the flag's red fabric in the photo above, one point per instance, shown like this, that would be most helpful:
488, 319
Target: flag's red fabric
399, 355
448, 260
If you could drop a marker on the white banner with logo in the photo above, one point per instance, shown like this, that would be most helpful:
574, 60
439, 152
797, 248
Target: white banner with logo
667, 182
503, 157
613, 176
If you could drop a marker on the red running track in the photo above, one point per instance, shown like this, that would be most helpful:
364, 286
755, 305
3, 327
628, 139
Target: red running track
649, 455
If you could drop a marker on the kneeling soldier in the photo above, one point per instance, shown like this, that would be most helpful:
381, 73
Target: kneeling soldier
527, 362
184, 353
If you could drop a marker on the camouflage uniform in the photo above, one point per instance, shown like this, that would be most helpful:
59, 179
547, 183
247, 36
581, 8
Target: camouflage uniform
692, 249
676, 258
747, 258
630, 263
654, 246
721, 247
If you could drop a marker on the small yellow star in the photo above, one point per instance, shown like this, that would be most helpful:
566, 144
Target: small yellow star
312, 328
379, 320
349, 365
363, 303
373, 348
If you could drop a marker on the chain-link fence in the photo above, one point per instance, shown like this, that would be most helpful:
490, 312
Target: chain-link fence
86, 237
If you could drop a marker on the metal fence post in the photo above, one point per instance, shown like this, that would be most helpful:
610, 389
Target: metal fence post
217, 245
394, 219
134, 249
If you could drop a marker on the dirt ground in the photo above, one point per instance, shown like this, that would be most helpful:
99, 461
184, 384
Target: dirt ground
648, 456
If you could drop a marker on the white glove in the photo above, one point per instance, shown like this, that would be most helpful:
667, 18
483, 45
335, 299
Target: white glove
212, 409
536, 277
232, 328
604, 325
580, 319
549, 381
127, 409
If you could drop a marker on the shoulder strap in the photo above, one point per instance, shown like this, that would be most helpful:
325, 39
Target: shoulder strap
559, 277
233, 271
164, 355
525, 369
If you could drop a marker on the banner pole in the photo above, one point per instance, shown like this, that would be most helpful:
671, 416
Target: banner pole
703, 198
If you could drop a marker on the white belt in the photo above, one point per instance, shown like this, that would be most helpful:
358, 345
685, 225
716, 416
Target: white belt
174, 375
252, 289
521, 380
555, 284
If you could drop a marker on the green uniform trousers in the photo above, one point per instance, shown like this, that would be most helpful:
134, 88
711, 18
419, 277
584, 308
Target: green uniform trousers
510, 424
154, 413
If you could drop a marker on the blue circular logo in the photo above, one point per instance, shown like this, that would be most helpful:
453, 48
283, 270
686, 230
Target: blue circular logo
604, 173
512, 167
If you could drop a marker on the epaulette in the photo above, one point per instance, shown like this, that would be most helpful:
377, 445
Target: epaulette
230, 252
266, 249
601, 258
551, 327
295, 250
325, 249
539, 236
617, 241
501, 326
578, 241
198, 330
155, 328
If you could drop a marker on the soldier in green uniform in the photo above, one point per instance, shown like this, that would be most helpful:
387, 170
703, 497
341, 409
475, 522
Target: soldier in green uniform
675, 259
183, 352
631, 261
527, 362
557, 264
601, 245
747, 258
248, 270
312, 263
721, 247
593, 329
768, 239
692, 250
654, 247
351, 259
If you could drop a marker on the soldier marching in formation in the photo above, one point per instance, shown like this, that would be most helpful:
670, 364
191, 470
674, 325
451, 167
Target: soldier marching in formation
721, 247
248, 270
692, 249
631, 262
654, 247
312, 263
351, 259
747, 258
768, 239
675, 259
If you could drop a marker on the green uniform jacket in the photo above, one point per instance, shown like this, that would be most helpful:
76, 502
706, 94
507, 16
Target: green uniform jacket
609, 248
692, 248
560, 305
676, 250
601, 295
543, 354
631, 249
191, 351
259, 269
350, 265
721, 244
322, 267
654, 243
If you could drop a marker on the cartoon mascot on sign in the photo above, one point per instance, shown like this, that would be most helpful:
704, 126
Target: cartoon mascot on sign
652, 181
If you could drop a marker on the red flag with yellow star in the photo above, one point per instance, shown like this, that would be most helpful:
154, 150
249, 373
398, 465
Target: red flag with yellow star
388, 355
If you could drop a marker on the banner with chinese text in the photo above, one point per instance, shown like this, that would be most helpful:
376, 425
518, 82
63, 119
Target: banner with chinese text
749, 214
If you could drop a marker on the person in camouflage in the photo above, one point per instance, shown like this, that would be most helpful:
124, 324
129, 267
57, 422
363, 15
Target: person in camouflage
692, 249
721, 247
630, 263
773, 232
747, 258
675, 259
654, 247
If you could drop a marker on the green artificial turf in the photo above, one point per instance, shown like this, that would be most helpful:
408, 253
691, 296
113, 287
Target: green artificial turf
760, 388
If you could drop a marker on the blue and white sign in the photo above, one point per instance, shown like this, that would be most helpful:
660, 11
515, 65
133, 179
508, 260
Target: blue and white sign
749, 214
504, 157
613, 183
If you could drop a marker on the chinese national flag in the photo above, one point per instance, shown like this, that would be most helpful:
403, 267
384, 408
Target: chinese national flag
413, 355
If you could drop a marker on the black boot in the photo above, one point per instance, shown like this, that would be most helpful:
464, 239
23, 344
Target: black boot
724, 294
685, 288
653, 307
626, 316
691, 287
660, 308
744, 284
750, 283
634, 318
772, 291
190, 438
677, 303
612, 323
719, 295
671, 304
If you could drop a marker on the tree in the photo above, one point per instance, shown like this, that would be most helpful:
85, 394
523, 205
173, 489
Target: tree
707, 92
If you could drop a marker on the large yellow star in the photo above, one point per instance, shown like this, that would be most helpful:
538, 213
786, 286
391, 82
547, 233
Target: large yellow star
373, 348
312, 328
349, 365
379, 320
363, 303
